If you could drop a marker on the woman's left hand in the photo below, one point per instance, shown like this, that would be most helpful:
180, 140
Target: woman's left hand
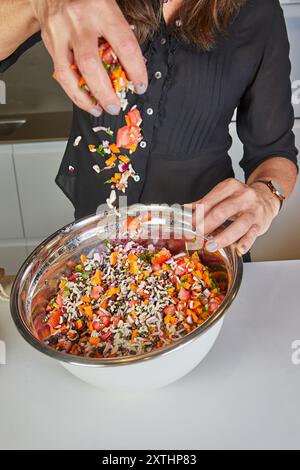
251, 208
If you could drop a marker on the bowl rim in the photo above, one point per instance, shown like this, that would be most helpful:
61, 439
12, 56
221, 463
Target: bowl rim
30, 338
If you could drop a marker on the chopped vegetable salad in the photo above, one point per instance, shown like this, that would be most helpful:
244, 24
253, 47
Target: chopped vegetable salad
128, 300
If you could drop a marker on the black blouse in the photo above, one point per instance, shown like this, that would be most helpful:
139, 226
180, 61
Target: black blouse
186, 112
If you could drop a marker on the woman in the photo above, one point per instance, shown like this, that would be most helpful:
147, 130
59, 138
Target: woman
205, 58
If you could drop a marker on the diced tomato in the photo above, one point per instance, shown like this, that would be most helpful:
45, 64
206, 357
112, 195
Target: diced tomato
116, 321
105, 336
213, 305
96, 291
161, 257
128, 137
44, 332
143, 293
169, 310
183, 294
156, 267
101, 323
181, 268
106, 53
134, 117
132, 224
54, 319
59, 301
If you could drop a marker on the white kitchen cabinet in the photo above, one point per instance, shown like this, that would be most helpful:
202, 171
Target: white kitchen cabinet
10, 216
44, 207
282, 241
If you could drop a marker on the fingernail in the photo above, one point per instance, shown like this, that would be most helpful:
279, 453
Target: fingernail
242, 249
140, 88
96, 112
113, 109
212, 246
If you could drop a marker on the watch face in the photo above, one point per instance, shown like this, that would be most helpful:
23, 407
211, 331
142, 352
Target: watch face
277, 188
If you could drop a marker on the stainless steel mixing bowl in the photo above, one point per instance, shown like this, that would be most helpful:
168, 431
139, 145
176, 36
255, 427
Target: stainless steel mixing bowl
38, 278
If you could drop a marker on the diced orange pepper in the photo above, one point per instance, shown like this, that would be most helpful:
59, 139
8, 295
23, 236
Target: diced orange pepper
124, 158
134, 267
88, 311
114, 257
62, 283
78, 324
134, 334
94, 340
110, 160
83, 259
132, 223
96, 280
86, 299
133, 148
114, 148
132, 257
169, 319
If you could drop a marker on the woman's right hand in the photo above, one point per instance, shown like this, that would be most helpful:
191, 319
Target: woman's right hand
70, 30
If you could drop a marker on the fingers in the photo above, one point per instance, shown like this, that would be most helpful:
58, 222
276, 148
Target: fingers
70, 32
246, 242
231, 234
68, 80
91, 67
67, 77
219, 214
125, 45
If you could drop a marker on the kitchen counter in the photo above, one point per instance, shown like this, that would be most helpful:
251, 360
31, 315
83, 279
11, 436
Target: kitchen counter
245, 394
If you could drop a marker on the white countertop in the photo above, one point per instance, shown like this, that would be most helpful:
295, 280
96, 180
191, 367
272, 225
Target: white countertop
245, 394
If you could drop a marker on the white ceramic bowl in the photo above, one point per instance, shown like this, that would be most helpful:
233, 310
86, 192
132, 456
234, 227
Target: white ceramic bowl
38, 278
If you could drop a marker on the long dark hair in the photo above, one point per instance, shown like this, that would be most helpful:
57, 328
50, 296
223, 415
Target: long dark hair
201, 20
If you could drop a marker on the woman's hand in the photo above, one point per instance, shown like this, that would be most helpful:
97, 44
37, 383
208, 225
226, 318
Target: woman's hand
251, 208
70, 30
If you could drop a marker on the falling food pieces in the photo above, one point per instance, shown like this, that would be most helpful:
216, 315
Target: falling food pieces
128, 137
77, 141
92, 148
97, 168
112, 199
107, 130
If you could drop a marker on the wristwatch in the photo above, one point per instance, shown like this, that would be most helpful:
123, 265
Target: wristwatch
275, 189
